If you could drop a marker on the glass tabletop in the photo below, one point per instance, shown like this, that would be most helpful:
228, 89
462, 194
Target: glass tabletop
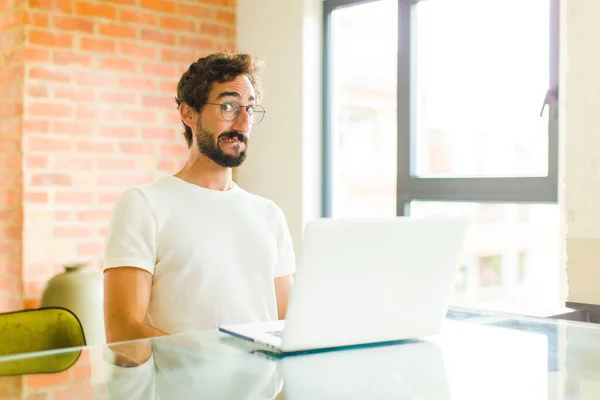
477, 355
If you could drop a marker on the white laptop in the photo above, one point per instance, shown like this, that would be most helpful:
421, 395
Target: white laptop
364, 281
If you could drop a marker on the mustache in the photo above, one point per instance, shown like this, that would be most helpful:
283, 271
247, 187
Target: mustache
233, 134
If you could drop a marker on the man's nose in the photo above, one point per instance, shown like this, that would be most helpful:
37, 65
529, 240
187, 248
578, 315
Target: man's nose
242, 122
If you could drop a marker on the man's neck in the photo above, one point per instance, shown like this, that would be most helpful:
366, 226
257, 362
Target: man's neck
201, 171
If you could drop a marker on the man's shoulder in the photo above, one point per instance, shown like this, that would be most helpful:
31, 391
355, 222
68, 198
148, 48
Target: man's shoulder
258, 199
144, 192
262, 203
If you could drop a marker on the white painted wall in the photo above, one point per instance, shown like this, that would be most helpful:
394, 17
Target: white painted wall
580, 120
284, 157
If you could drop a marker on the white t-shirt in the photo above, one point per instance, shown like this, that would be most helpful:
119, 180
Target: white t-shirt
213, 254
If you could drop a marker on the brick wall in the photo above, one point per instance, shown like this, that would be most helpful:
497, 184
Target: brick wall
11, 120
98, 116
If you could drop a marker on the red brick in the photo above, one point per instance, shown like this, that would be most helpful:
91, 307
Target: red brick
52, 5
36, 90
171, 118
95, 114
94, 215
118, 97
137, 17
49, 75
10, 20
158, 102
30, 304
121, 132
140, 116
158, 69
35, 126
71, 163
36, 162
79, 391
36, 197
11, 162
41, 179
177, 24
11, 110
49, 110
173, 150
105, 80
109, 180
118, 30
74, 198
68, 23
158, 133
137, 50
48, 380
108, 198
137, 84
63, 215
196, 43
10, 285
48, 145
72, 58
118, 64
8, 179
119, 164
10, 74
158, 37
14, 56
169, 87
37, 19
159, 5
186, 57
11, 127
46, 38
78, 94
35, 54
95, 147
138, 148
71, 128
98, 45
194, 11
128, 2
88, 9
34, 288
226, 16
167, 165
82, 373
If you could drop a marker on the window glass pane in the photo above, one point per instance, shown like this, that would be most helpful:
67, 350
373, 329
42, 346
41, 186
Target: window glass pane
363, 112
480, 74
511, 256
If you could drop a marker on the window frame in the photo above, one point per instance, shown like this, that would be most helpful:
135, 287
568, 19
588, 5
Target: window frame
410, 187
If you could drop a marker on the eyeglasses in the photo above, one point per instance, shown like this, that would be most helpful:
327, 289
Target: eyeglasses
230, 110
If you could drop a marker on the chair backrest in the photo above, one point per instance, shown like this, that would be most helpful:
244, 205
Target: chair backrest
38, 330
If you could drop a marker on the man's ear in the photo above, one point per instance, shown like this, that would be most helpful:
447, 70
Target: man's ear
187, 114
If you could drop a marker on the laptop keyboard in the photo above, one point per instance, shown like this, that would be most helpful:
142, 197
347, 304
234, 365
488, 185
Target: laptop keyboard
276, 333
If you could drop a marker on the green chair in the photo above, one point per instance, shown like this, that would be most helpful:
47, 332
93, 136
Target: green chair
39, 330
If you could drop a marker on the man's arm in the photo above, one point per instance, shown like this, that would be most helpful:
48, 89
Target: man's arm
283, 287
126, 298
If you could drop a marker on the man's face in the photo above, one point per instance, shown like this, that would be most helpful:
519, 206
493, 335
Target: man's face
225, 140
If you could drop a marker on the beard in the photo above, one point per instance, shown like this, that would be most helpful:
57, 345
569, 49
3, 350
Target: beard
211, 148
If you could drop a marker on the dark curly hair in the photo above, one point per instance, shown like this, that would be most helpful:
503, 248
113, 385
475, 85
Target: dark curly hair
195, 84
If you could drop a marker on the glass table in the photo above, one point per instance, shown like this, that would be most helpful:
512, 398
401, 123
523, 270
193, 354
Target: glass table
477, 355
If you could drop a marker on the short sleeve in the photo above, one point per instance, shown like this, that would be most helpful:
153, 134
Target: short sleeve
131, 234
286, 259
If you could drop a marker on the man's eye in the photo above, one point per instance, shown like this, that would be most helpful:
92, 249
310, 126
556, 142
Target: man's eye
228, 107
250, 110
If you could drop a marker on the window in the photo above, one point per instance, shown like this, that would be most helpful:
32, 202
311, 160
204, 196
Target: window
436, 106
